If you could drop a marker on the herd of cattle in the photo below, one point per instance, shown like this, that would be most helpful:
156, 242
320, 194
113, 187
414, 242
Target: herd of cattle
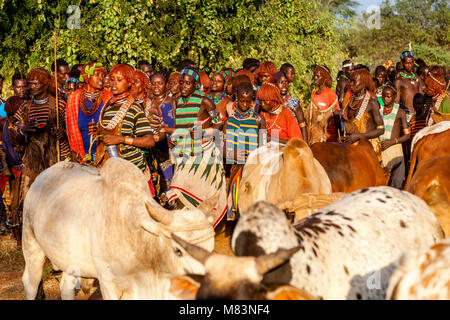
371, 242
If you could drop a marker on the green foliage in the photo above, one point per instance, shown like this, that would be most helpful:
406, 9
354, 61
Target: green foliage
423, 23
214, 33
432, 55
344, 8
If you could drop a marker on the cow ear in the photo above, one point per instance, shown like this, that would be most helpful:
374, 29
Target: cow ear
287, 292
184, 287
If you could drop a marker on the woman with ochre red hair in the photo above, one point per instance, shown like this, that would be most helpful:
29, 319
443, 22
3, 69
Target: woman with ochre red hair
436, 87
249, 74
294, 105
322, 114
281, 123
362, 111
123, 124
266, 72
83, 107
38, 131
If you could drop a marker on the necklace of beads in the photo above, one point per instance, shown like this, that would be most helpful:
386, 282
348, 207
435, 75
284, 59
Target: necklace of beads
387, 110
276, 111
96, 105
126, 104
355, 98
244, 115
92, 95
404, 75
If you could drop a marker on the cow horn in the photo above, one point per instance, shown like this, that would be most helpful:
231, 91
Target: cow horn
273, 260
199, 254
159, 213
208, 205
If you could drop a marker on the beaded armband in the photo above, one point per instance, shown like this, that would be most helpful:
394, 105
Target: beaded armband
215, 116
302, 124
406, 131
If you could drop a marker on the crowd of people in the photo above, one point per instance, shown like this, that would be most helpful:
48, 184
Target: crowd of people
190, 132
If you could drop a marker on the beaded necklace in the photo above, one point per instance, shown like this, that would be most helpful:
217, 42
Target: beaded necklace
95, 106
404, 75
217, 98
387, 110
126, 104
245, 115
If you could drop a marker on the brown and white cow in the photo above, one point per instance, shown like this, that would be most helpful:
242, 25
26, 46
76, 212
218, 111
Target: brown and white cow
348, 249
234, 278
430, 142
431, 182
423, 274
277, 174
349, 167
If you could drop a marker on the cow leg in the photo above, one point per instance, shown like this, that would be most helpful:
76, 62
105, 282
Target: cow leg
109, 290
34, 264
67, 286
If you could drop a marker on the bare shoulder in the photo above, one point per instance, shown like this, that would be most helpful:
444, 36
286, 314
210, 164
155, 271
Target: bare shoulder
400, 114
374, 104
208, 103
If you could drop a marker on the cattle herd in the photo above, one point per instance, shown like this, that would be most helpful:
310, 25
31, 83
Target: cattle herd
370, 241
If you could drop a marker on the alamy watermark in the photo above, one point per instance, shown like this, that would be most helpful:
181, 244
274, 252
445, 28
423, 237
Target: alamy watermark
74, 21
372, 17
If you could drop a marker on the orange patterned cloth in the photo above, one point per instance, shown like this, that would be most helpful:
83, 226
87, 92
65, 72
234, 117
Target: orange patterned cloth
284, 125
73, 132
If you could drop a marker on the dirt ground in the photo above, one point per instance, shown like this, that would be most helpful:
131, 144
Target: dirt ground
12, 265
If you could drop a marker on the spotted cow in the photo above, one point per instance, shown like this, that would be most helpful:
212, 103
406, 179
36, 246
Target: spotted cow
348, 249
423, 274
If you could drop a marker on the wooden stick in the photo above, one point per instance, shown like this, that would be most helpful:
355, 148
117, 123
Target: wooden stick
58, 155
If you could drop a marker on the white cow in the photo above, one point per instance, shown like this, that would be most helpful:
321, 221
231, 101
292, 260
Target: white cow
348, 249
95, 223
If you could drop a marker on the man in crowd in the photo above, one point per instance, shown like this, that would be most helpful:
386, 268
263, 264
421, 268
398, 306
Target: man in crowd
407, 84
61, 75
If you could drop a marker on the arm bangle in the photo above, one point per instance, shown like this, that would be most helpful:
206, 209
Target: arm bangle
380, 127
129, 140
302, 124
396, 140
406, 131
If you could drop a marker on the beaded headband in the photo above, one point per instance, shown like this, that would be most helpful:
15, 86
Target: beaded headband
89, 71
191, 73
406, 54
391, 87
227, 75
72, 79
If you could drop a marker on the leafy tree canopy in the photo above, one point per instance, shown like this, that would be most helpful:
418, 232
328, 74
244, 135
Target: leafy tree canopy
214, 33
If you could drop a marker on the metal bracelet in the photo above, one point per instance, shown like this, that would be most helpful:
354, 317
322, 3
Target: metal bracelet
129, 140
